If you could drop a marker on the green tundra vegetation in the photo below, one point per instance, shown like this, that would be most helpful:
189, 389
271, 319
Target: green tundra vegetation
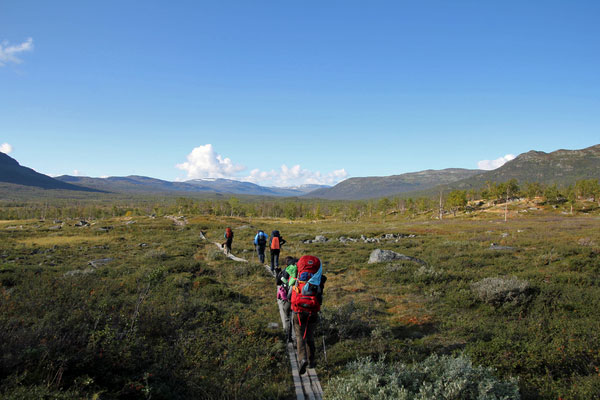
496, 305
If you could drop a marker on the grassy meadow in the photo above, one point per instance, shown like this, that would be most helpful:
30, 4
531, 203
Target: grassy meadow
167, 316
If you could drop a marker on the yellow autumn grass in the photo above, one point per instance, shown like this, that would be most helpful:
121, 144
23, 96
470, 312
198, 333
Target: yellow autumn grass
61, 240
15, 222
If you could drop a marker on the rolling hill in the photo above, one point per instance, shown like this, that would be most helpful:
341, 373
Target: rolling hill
382, 186
12, 172
562, 167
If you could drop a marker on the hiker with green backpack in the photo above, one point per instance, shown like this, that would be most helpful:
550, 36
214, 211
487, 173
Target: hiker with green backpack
306, 299
285, 281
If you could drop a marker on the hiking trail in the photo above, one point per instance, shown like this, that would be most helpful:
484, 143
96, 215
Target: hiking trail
229, 255
307, 386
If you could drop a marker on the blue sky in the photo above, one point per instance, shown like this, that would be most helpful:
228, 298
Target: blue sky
284, 93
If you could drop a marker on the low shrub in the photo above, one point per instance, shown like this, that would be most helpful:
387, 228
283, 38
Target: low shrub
499, 291
345, 322
436, 377
156, 254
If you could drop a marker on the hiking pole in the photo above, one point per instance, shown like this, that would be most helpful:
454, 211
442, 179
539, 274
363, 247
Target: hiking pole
324, 350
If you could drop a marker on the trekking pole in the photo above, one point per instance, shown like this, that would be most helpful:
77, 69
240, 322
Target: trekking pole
324, 349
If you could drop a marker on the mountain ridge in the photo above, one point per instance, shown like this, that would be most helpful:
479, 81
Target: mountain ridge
560, 166
14, 173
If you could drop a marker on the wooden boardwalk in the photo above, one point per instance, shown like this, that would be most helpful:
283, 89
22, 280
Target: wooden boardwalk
229, 255
306, 386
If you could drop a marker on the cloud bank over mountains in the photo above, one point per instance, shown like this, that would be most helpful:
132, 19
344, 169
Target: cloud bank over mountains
10, 53
205, 162
489, 165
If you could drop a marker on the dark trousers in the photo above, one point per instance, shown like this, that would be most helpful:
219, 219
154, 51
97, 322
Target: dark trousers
261, 253
274, 259
305, 340
228, 245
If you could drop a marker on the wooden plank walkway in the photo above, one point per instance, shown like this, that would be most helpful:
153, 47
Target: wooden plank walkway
228, 255
307, 386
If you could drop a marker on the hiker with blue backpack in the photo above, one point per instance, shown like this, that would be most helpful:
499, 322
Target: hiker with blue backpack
275, 248
260, 243
306, 299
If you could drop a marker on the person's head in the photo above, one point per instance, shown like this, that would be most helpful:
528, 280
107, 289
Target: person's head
290, 260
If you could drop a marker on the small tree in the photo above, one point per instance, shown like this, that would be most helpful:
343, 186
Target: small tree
456, 200
551, 194
533, 189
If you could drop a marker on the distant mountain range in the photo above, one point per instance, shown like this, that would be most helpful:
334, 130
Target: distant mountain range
383, 186
561, 167
143, 184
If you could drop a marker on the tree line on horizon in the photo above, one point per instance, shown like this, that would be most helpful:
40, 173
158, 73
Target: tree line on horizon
491, 193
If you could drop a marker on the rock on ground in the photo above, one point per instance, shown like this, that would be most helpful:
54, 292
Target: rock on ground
379, 255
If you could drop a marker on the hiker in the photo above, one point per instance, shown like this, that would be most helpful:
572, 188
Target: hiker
307, 296
260, 243
285, 281
228, 235
275, 247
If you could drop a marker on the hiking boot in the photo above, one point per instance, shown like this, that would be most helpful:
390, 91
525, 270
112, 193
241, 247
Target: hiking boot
303, 365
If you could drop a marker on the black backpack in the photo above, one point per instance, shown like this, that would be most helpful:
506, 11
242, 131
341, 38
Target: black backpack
262, 240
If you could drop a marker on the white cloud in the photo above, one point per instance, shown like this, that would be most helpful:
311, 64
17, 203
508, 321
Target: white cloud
296, 175
205, 162
77, 172
6, 148
493, 164
10, 53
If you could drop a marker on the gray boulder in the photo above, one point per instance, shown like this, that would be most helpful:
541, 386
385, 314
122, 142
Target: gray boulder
320, 239
100, 262
498, 247
379, 255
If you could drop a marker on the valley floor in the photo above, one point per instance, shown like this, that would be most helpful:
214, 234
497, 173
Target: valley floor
162, 314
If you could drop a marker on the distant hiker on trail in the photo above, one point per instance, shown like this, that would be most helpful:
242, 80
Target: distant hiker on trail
228, 235
260, 243
276, 242
307, 296
285, 281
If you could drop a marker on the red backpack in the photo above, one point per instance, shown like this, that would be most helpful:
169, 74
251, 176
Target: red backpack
302, 302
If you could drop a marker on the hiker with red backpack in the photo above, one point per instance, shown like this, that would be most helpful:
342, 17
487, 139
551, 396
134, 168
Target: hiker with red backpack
228, 235
307, 296
276, 242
